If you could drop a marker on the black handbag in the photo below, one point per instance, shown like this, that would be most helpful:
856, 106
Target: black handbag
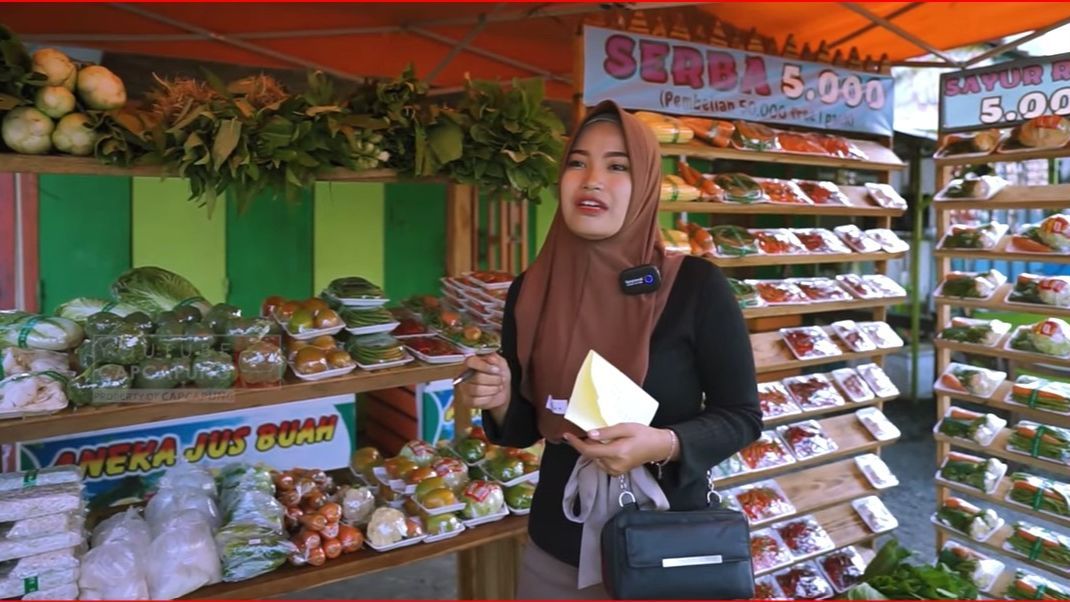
676, 555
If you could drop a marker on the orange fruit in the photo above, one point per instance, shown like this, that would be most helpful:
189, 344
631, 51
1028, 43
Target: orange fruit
339, 358
271, 304
310, 360
315, 305
421, 473
439, 498
327, 318
325, 342
287, 309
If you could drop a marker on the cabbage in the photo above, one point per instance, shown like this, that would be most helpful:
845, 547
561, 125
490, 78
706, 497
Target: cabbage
1051, 337
153, 290
80, 308
1054, 231
30, 331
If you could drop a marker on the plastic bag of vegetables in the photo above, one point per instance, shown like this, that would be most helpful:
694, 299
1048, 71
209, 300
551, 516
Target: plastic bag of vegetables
20, 361
253, 508
182, 557
213, 370
32, 392
80, 308
99, 385
248, 551
33, 331
153, 290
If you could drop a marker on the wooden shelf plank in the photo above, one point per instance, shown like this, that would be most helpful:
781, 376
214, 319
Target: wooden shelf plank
851, 440
1003, 158
995, 544
843, 525
289, 578
997, 402
1000, 499
996, 303
881, 158
1000, 252
997, 350
813, 307
819, 488
808, 258
858, 196
79, 420
1054, 196
998, 449
61, 164
771, 354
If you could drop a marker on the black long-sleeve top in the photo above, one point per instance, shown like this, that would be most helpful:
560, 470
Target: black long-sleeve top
701, 372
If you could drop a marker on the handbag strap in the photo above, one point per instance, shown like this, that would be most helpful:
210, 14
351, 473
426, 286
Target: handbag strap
626, 497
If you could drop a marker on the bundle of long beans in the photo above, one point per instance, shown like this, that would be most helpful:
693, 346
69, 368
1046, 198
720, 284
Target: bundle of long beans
1040, 494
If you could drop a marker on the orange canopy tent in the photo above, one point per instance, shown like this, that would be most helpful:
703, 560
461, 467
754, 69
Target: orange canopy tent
502, 40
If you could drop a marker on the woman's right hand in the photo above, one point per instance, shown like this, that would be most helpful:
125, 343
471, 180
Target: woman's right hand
489, 388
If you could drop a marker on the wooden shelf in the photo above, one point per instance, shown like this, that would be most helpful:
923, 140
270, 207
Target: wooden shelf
771, 354
843, 525
857, 195
80, 420
816, 307
1049, 153
89, 166
850, 406
999, 498
1000, 252
800, 259
1054, 196
881, 158
995, 544
851, 440
289, 578
998, 449
997, 350
997, 402
819, 488
996, 303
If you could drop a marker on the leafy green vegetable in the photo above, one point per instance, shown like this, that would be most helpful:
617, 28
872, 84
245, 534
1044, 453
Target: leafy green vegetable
80, 308
511, 139
18, 81
889, 576
32, 331
153, 290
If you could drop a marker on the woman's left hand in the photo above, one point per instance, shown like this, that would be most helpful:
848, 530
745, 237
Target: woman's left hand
620, 448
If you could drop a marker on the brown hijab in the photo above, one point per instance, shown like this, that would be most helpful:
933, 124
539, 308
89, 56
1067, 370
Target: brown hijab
570, 301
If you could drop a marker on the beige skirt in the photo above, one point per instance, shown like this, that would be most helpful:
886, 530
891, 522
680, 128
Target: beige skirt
543, 577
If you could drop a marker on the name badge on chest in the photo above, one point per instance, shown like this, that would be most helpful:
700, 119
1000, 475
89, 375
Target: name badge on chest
556, 406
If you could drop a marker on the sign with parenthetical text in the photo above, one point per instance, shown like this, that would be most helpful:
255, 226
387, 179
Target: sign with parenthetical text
1006, 94
684, 78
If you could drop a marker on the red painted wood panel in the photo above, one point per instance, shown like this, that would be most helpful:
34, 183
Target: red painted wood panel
7, 240
30, 262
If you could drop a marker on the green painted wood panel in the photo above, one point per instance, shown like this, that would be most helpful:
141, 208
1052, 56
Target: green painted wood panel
173, 233
83, 236
415, 239
348, 232
269, 250
544, 216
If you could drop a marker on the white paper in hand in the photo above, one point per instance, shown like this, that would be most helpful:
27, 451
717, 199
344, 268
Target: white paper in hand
604, 396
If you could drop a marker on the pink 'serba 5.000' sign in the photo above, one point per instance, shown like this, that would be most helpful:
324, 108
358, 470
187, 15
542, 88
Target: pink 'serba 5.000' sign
677, 77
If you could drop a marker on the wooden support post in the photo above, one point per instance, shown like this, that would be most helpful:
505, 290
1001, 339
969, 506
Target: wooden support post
578, 108
461, 211
490, 571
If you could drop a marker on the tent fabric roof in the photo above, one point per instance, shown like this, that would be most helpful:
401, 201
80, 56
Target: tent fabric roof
505, 39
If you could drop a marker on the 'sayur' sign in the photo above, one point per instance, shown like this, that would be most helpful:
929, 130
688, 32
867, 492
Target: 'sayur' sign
677, 77
1006, 94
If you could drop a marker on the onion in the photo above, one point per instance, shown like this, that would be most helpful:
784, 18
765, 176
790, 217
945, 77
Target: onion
56, 66
101, 89
54, 101
27, 130
73, 135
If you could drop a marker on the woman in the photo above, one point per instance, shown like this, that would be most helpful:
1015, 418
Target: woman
683, 342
